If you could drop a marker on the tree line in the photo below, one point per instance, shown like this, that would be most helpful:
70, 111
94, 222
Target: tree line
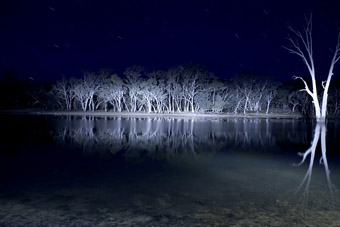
189, 88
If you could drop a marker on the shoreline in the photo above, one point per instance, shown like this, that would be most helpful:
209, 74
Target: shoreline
155, 115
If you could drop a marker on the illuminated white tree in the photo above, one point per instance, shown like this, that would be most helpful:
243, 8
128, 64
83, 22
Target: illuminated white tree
63, 92
112, 91
174, 89
270, 94
86, 91
133, 78
302, 45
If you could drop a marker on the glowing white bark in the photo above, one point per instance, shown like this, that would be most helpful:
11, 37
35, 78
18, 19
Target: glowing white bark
305, 51
64, 93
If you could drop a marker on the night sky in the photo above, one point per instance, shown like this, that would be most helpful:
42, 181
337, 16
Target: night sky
47, 39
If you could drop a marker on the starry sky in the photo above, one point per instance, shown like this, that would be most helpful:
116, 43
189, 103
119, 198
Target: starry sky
47, 39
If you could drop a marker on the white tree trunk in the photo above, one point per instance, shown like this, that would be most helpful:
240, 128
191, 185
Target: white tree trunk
305, 51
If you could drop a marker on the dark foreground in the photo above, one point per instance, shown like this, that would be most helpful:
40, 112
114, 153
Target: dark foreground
165, 172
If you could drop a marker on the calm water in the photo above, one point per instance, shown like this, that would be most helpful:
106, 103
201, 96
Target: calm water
168, 172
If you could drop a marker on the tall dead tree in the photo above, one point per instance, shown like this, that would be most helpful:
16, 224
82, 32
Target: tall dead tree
302, 45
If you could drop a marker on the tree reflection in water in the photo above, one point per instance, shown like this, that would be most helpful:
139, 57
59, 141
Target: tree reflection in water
195, 139
165, 138
320, 131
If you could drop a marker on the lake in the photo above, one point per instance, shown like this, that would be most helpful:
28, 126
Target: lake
58, 171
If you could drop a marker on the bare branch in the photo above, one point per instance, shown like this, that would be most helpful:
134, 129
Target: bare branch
296, 49
305, 154
305, 52
321, 162
306, 86
292, 51
337, 50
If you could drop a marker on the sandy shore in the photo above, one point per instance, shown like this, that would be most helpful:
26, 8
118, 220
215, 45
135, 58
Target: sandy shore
157, 115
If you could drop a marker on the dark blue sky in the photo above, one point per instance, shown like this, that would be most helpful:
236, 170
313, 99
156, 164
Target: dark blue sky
44, 39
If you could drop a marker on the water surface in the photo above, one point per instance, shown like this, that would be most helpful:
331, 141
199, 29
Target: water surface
167, 172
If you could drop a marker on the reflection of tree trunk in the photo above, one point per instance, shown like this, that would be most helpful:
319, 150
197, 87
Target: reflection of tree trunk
320, 129
310, 151
323, 159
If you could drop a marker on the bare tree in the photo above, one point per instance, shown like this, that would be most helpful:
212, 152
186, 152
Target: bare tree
93, 83
294, 100
146, 92
81, 94
174, 89
245, 88
133, 78
192, 85
334, 101
87, 91
302, 45
63, 92
269, 96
